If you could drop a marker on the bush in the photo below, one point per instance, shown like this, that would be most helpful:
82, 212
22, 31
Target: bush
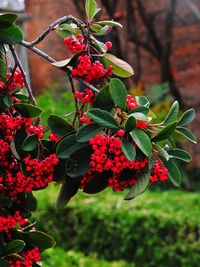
154, 230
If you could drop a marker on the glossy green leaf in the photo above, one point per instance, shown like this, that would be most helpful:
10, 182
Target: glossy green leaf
187, 117
68, 189
78, 163
103, 118
67, 146
86, 132
128, 149
103, 100
30, 143
91, 8
28, 110
28, 201
180, 154
59, 125
140, 186
173, 113
118, 93
161, 152
173, 172
142, 100
141, 109
109, 22
7, 100
142, 140
7, 19
187, 134
139, 116
97, 184
12, 247
67, 61
10, 35
38, 239
165, 132
130, 124
120, 67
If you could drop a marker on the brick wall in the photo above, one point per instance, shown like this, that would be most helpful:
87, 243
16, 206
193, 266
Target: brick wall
185, 58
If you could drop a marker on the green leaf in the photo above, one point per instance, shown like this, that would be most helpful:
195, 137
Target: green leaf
187, 134
161, 151
68, 190
68, 61
109, 22
67, 146
142, 100
91, 8
79, 162
173, 113
95, 27
12, 247
118, 93
140, 186
165, 132
171, 142
7, 19
105, 30
10, 35
173, 172
7, 100
3, 70
180, 154
30, 143
103, 118
128, 149
141, 109
97, 183
5, 202
38, 239
187, 117
28, 201
86, 132
143, 141
102, 47
103, 100
130, 124
120, 67
4, 263
139, 116
28, 110
59, 125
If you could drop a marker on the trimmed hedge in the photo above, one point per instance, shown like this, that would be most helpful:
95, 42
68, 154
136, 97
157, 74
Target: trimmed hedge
156, 229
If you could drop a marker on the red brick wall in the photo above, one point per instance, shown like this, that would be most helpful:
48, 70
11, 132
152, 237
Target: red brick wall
185, 58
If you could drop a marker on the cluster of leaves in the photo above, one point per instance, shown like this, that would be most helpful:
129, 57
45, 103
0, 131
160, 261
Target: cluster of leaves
19, 239
109, 113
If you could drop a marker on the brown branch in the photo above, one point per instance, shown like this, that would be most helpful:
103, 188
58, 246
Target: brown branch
52, 60
52, 27
18, 63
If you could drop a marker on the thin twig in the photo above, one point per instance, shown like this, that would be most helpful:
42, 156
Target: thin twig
52, 27
52, 60
18, 63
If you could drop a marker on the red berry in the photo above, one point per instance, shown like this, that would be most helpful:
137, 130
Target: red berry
121, 133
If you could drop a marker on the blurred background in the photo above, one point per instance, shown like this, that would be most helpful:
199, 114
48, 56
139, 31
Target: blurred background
161, 40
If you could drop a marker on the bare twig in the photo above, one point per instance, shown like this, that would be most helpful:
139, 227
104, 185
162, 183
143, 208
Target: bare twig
18, 63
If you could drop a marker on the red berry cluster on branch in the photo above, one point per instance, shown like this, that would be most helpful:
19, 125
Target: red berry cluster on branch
159, 172
12, 82
75, 44
87, 96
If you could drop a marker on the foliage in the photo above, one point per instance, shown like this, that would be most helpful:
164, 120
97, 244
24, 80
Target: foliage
158, 228
104, 142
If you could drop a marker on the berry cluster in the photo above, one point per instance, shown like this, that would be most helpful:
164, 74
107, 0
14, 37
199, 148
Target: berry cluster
9, 222
90, 71
159, 172
54, 138
17, 81
28, 258
75, 44
131, 103
87, 96
108, 156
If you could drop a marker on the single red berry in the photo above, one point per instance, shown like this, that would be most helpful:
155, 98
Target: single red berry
120, 132
108, 45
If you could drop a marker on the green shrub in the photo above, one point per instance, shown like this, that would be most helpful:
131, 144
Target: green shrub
58, 257
157, 229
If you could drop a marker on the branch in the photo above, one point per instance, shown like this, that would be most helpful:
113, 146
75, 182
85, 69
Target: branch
52, 27
52, 60
18, 63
